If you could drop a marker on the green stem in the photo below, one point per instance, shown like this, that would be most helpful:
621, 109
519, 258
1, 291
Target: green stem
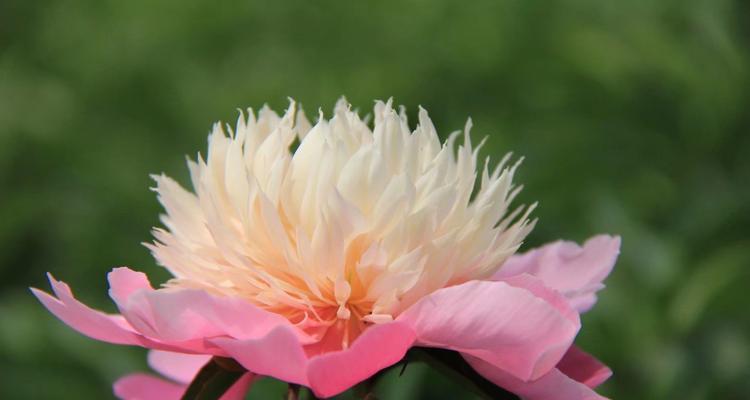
214, 379
292, 393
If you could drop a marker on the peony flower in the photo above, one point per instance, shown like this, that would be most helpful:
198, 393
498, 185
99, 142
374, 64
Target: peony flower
324, 265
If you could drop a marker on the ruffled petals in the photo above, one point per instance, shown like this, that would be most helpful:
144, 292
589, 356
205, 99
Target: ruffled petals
515, 331
575, 271
193, 321
172, 320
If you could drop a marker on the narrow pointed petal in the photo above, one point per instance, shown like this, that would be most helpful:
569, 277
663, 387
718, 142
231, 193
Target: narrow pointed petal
509, 327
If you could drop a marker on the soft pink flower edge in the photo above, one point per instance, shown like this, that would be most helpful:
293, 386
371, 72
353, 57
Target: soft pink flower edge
525, 347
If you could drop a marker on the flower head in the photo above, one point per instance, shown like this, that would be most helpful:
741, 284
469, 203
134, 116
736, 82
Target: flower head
320, 254
347, 231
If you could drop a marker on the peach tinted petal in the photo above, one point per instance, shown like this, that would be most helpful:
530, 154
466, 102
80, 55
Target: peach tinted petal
575, 271
509, 327
177, 366
378, 347
584, 368
554, 385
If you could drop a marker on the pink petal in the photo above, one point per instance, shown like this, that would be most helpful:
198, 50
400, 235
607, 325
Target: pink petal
278, 354
146, 387
539, 289
378, 347
576, 272
507, 326
240, 388
179, 367
100, 326
281, 355
554, 385
92, 323
584, 368
177, 315
123, 282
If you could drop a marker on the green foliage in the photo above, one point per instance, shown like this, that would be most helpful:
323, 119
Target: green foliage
632, 115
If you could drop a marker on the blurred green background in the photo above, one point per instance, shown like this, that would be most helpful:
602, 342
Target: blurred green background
633, 117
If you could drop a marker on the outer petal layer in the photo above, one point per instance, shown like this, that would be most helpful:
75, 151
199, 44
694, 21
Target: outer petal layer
584, 368
172, 320
327, 374
105, 327
575, 271
278, 354
92, 323
187, 314
553, 297
148, 387
193, 321
507, 326
378, 347
516, 326
554, 385
178, 367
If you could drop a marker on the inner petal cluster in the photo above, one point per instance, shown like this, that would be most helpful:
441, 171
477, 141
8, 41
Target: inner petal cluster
346, 231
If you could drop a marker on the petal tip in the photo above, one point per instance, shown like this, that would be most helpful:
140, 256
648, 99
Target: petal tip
123, 282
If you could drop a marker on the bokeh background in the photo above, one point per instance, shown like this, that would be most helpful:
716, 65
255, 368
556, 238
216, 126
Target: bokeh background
633, 116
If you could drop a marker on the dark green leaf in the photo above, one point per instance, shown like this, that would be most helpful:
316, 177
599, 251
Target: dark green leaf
452, 364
